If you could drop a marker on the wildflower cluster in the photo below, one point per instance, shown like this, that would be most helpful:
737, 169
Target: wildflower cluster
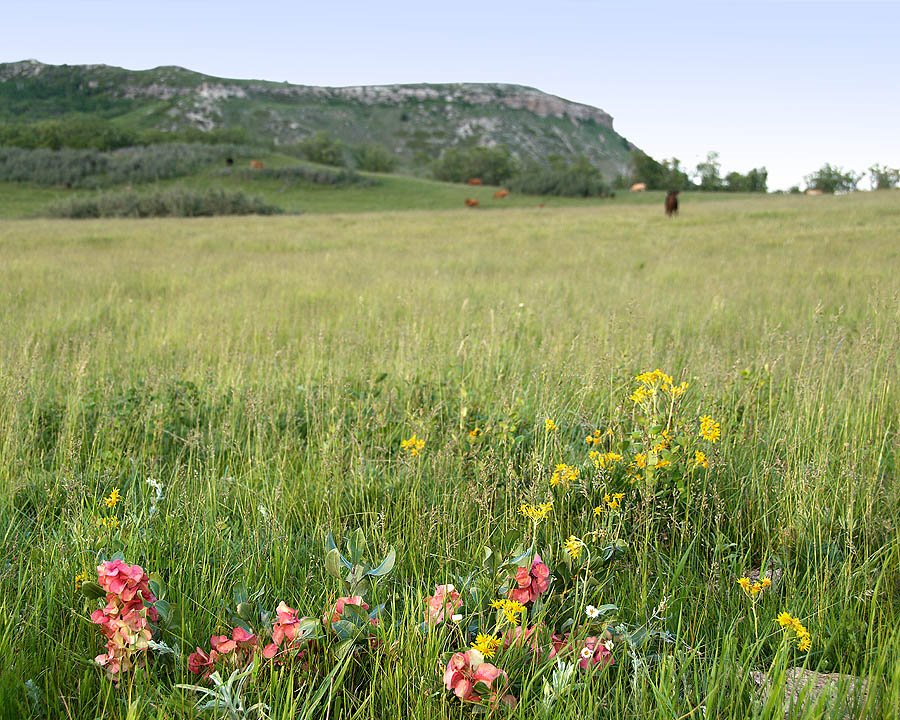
753, 589
473, 680
804, 639
531, 582
413, 445
125, 619
709, 429
536, 512
564, 474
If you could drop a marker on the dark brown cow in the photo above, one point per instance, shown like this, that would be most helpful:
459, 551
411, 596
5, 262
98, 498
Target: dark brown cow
672, 203
472, 202
474, 181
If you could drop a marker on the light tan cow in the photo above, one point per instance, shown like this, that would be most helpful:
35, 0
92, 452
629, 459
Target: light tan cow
813, 192
638, 187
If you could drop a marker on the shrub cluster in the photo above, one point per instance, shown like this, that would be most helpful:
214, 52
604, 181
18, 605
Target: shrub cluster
492, 165
81, 132
578, 178
93, 168
177, 202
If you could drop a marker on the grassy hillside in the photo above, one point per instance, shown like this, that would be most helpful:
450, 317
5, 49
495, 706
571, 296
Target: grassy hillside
377, 193
415, 122
263, 374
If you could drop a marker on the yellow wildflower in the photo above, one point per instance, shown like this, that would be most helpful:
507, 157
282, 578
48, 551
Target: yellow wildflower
784, 619
709, 429
536, 512
594, 438
700, 460
413, 445
744, 582
573, 546
511, 610
474, 434
654, 378
765, 583
564, 474
550, 426
108, 523
81, 578
640, 460
614, 501
676, 390
113, 499
805, 643
602, 460
639, 395
486, 644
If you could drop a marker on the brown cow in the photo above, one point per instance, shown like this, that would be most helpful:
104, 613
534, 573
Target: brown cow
638, 187
471, 202
501, 193
814, 191
256, 165
672, 203
474, 181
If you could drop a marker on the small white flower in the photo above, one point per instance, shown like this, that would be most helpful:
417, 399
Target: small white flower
586, 653
456, 618
591, 611
450, 588
609, 645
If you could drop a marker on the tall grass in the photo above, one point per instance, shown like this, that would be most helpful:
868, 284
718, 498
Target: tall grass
265, 371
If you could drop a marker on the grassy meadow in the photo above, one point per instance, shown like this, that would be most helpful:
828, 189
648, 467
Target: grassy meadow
263, 372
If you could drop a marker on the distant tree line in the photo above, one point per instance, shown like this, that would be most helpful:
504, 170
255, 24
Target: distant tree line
670, 175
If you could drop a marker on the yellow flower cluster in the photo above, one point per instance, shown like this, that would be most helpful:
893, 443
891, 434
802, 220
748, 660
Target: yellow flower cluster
486, 644
603, 460
550, 426
596, 437
564, 474
536, 512
655, 380
700, 460
573, 546
614, 501
475, 433
413, 445
709, 429
113, 499
753, 589
80, 579
511, 610
108, 523
804, 640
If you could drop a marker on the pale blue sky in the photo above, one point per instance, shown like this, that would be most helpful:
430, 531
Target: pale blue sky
788, 85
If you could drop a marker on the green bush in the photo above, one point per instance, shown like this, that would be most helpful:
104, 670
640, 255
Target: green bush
374, 158
177, 202
577, 178
94, 169
321, 148
492, 165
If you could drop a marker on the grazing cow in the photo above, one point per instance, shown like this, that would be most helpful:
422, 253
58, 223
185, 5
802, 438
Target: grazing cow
500, 194
256, 165
672, 203
638, 187
229, 161
813, 192
474, 181
471, 202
